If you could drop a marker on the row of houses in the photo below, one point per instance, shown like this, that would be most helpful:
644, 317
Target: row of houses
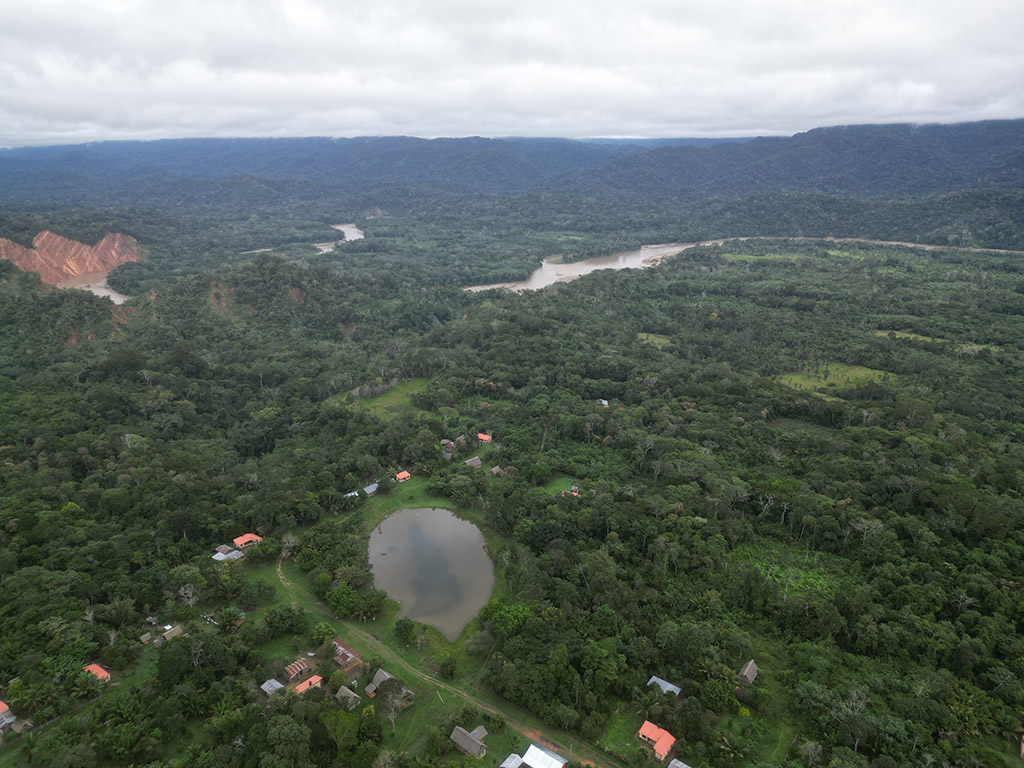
169, 633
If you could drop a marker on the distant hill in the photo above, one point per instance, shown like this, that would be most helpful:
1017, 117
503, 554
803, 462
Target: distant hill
878, 161
888, 161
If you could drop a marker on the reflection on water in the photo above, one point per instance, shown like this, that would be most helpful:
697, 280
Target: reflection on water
435, 564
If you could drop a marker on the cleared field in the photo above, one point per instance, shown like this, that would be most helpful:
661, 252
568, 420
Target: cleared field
831, 375
656, 339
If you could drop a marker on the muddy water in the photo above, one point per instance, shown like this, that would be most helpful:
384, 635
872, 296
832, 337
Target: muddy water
95, 282
351, 232
551, 272
435, 564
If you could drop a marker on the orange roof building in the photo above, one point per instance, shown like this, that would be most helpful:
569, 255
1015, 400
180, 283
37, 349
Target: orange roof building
659, 738
314, 682
247, 540
402, 476
98, 671
483, 438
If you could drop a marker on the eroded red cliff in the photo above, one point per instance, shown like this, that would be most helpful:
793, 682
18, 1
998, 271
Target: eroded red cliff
57, 258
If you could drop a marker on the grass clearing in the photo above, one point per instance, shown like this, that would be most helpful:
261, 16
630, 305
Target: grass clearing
656, 339
833, 376
395, 399
965, 348
739, 257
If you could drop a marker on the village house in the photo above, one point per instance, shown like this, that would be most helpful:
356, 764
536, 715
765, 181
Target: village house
448, 445
271, 687
748, 674
371, 489
470, 742
483, 438
247, 540
99, 672
381, 677
169, 634
535, 757
145, 638
665, 685
603, 403
402, 476
473, 463
224, 552
497, 472
673, 763
314, 682
660, 740
348, 698
7, 717
346, 659
296, 669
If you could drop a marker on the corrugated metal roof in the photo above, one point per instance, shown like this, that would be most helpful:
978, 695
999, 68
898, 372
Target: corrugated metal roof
539, 757
665, 685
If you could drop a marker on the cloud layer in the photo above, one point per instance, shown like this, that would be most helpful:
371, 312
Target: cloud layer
72, 72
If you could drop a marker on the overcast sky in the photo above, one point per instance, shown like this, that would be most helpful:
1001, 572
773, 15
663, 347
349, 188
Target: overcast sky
82, 70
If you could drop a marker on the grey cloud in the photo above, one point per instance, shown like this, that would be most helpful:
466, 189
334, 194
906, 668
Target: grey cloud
144, 69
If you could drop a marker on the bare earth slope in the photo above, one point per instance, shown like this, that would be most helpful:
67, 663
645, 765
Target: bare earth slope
57, 258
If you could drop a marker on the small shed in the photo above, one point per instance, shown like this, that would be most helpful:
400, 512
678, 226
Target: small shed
296, 669
665, 685
470, 742
474, 462
497, 472
271, 687
749, 673
603, 403
7, 717
348, 698
371, 489
145, 638
378, 680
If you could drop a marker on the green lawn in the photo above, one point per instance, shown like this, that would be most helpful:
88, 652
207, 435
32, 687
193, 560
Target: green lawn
396, 398
833, 375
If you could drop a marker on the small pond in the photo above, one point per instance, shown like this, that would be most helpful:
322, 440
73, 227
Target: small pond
435, 564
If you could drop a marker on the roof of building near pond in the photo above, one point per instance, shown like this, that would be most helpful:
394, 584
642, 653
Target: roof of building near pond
98, 671
305, 685
378, 680
470, 742
540, 757
271, 687
665, 685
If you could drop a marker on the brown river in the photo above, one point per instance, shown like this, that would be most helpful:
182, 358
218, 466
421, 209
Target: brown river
550, 272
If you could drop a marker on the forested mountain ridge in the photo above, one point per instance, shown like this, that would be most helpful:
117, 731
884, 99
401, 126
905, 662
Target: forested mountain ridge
886, 161
865, 160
